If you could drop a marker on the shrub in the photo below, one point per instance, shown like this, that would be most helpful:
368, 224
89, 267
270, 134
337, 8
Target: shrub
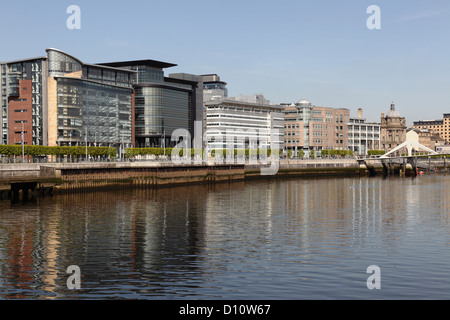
375, 152
35, 150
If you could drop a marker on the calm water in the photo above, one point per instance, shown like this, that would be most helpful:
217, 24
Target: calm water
280, 239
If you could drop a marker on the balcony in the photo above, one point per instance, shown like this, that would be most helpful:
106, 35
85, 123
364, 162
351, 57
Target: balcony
13, 91
13, 84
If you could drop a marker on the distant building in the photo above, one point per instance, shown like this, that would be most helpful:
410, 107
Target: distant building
440, 127
425, 137
245, 124
309, 127
363, 136
254, 98
392, 130
214, 88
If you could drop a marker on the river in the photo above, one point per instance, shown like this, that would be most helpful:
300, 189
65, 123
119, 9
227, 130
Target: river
287, 239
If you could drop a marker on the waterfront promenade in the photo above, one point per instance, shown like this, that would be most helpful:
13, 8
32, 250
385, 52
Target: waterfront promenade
39, 178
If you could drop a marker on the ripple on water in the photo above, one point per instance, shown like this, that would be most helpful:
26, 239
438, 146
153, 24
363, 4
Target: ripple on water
280, 239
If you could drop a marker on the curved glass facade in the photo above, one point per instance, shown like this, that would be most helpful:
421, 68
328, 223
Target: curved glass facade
159, 111
146, 74
60, 63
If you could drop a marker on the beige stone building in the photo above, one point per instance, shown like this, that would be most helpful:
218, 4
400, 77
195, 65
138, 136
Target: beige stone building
392, 130
439, 127
309, 127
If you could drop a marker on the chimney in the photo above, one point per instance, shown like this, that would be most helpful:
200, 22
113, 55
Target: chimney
360, 113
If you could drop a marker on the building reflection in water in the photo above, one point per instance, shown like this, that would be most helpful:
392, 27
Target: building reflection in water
157, 242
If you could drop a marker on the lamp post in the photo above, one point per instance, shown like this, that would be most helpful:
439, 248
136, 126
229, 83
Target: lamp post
121, 148
70, 144
85, 141
164, 137
23, 147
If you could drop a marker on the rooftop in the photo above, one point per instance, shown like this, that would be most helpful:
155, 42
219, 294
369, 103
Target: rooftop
392, 113
225, 101
147, 62
23, 60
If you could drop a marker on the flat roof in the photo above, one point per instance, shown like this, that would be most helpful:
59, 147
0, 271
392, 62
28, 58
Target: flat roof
147, 62
242, 103
22, 60
178, 80
108, 67
95, 81
429, 121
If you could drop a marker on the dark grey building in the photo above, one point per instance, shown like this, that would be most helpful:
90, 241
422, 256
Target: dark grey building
162, 104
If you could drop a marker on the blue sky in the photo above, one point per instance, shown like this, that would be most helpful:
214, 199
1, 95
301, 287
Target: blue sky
287, 50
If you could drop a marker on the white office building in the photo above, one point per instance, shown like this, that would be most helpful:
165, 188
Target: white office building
363, 136
243, 125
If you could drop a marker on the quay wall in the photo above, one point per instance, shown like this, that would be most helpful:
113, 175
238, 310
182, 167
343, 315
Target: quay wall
66, 177
141, 175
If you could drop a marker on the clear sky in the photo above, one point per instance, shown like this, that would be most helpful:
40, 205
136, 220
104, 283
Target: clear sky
319, 50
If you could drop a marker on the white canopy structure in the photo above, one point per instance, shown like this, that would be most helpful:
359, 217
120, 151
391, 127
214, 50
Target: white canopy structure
409, 145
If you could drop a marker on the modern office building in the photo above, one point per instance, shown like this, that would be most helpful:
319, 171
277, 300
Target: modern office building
214, 88
252, 98
309, 127
59, 100
440, 127
162, 104
22, 85
363, 136
244, 124
196, 81
392, 129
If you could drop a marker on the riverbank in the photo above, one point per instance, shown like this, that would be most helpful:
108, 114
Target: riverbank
40, 179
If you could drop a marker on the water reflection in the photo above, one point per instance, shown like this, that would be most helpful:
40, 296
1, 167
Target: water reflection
239, 240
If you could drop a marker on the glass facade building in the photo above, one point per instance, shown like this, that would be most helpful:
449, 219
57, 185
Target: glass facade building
160, 111
61, 63
162, 104
99, 112
93, 104
13, 90
59, 100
